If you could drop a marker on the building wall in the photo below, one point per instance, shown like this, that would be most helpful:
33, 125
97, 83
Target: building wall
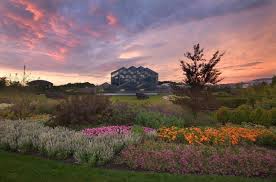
134, 78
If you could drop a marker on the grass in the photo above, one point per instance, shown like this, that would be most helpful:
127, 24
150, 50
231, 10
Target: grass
17, 167
156, 99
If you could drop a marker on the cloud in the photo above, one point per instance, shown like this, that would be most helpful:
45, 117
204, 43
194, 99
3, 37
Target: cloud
92, 37
111, 20
243, 66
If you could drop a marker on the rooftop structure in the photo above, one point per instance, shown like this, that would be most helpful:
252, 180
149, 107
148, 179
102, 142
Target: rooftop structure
134, 78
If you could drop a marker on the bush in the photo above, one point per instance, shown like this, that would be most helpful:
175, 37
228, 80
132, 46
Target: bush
223, 115
168, 109
267, 103
44, 105
120, 114
77, 110
245, 113
241, 114
157, 120
273, 116
231, 102
260, 116
21, 109
61, 143
267, 139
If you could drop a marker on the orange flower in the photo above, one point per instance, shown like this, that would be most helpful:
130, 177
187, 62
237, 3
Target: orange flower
222, 135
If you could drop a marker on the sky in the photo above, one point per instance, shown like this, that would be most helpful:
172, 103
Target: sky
77, 41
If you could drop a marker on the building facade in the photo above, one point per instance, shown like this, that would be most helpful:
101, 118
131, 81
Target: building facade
134, 78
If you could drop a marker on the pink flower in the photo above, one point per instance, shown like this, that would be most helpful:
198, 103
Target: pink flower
111, 130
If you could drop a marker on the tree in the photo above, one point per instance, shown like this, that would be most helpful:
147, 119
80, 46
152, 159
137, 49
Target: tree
198, 74
3, 82
273, 80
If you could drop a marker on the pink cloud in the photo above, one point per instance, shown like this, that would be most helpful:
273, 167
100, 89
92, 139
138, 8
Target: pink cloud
37, 13
112, 20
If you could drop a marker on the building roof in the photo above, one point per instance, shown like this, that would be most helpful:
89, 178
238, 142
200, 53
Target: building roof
135, 68
40, 82
118, 70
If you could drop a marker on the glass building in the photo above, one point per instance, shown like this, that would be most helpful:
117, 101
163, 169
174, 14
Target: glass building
134, 78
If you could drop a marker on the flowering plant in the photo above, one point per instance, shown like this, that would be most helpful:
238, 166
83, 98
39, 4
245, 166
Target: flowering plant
199, 159
222, 135
112, 130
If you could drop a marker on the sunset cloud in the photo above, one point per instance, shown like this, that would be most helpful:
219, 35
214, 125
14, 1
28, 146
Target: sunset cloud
91, 38
112, 20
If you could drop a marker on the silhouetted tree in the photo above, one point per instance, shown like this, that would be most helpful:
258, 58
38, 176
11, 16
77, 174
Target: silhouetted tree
199, 73
3, 82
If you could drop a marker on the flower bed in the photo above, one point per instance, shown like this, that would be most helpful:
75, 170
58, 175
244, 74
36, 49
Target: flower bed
201, 159
223, 135
112, 130
61, 143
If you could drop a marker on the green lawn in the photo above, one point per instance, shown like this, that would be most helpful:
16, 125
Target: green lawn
16, 167
156, 99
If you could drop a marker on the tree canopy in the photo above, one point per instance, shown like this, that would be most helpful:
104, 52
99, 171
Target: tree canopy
199, 71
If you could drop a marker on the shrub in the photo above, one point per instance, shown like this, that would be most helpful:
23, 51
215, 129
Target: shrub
43, 105
61, 143
223, 115
267, 103
21, 109
241, 114
157, 120
231, 102
77, 110
267, 139
188, 159
168, 109
120, 114
245, 113
260, 116
273, 116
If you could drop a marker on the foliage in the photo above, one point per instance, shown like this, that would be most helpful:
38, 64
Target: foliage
191, 159
27, 105
156, 120
231, 102
132, 100
273, 80
3, 82
266, 103
245, 113
61, 143
29, 168
267, 139
198, 72
120, 114
78, 110
273, 116
127, 114
113, 130
242, 114
21, 108
213, 136
260, 116
223, 115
